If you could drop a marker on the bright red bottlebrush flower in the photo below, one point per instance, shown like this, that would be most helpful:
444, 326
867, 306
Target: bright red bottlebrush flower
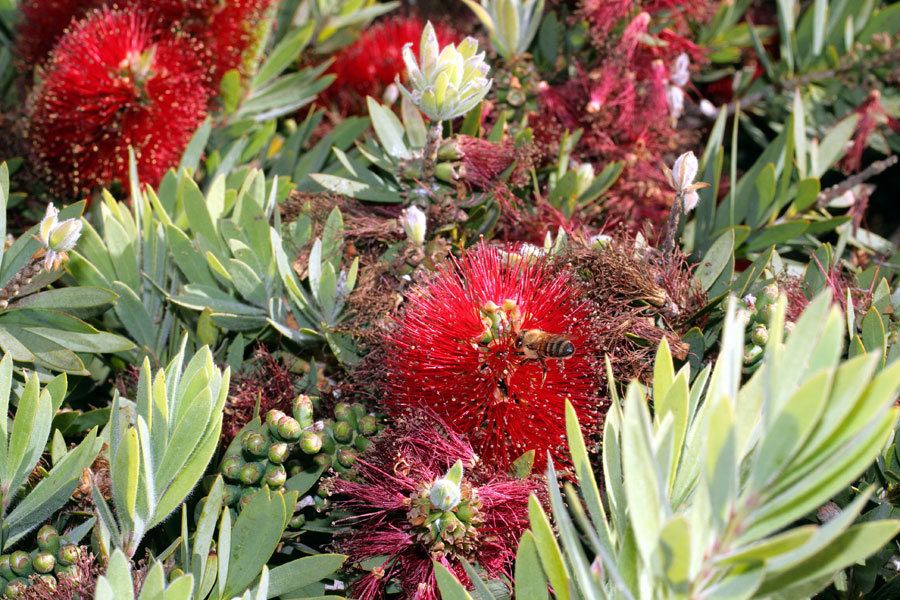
408, 507
369, 65
458, 351
112, 82
227, 29
42, 22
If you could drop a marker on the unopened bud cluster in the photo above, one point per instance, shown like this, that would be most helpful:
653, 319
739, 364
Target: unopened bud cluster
284, 446
759, 311
446, 514
51, 561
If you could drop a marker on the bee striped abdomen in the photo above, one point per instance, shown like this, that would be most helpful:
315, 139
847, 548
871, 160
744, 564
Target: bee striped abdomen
560, 348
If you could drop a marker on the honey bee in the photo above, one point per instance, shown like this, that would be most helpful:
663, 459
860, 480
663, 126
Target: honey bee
539, 345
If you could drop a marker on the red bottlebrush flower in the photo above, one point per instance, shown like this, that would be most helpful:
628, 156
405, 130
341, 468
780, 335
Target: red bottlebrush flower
369, 65
871, 115
458, 351
228, 30
42, 22
479, 518
113, 82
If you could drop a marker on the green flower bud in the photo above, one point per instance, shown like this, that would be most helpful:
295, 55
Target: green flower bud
16, 588
278, 452
760, 335
368, 425
766, 311
359, 410
272, 418
769, 294
250, 473
343, 432
275, 475
297, 521
232, 494
49, 582
44, 562
445, 494
231, 466
464, 511
323, 460
20, 563
752, 354
346, 457
789, 327
445, 83
289, 429
361, 443
255, 445
294, 467
310, 443
70, 572
413, 222
303, 411
48, 538
5, 570
68, 554
343, 411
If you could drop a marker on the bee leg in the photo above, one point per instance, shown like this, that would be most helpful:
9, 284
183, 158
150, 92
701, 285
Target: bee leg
543, 370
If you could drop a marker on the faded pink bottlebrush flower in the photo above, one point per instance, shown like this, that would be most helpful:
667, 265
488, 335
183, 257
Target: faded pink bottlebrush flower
115, 81
397, 512
872, 115
458, 351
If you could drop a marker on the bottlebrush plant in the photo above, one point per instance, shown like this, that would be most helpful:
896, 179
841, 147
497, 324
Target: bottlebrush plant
458, 351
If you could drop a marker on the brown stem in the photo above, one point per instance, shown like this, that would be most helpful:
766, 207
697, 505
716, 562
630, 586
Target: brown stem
672, 224
430, 153
836, 190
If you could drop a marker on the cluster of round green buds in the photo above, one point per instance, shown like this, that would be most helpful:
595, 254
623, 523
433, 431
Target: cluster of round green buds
52, 559
450, 81
759, 311
270, 453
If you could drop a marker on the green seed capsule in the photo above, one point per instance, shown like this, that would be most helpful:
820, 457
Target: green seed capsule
246, 496
343, 411
16, 588
68, 554
5, 570
368, 425
342, 432
49, 582
250, 473
760, 335
48, 538
278, 452
272, 418
275, 475
232, 494
302, 409
297, 521
289, 429
44, 562
361, 443
20, 563
310, 443
346, 456
231, 466
255, 445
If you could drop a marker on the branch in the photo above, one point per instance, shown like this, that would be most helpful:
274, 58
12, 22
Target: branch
836, 190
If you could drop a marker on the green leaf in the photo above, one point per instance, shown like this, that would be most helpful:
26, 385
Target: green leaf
715, 259
389, 130
530, 580
190, 159
254, 538
548, 549
450, 588
807, 193
284, 53
302, 572
775, 234
834, 144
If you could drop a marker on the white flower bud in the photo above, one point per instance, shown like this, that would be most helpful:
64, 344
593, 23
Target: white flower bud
57, 237
680, 73
414, 223
445, 494
675, 100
